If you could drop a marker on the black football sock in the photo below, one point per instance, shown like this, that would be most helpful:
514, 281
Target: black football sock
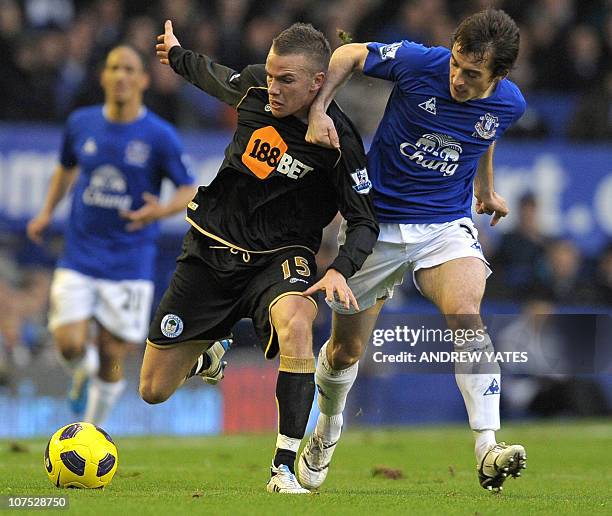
294, 394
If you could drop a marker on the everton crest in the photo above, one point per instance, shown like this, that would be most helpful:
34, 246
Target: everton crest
486, 126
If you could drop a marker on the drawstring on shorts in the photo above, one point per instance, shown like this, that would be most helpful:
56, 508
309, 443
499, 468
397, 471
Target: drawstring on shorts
246, 256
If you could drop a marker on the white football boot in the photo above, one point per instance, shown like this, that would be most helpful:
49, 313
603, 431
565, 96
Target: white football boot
214, 373
314, 461
283, 481
500, 462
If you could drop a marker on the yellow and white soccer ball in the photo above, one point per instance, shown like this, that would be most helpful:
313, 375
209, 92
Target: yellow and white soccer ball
81, 455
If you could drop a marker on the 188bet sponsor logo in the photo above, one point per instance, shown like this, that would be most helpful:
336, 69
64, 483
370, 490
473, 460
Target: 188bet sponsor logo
267, 152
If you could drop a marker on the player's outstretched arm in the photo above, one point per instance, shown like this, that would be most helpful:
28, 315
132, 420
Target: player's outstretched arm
487, 199
153, 210
61, 181
344, 61
217, 80
335, 287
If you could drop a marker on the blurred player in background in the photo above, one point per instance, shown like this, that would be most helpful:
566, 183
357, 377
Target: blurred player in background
114, 156
432, 151
255, 230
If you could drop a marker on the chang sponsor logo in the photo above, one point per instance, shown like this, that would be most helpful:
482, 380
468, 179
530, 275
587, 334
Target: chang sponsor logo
106, 189
434, 151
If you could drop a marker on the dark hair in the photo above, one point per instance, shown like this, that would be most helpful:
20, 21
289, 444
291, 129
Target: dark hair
303, 38
141, 56
489, 33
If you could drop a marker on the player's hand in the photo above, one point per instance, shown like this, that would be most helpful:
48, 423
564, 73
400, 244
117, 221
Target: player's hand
321, 130
493, 204
335, 287
149, 212
36, 228
165, 42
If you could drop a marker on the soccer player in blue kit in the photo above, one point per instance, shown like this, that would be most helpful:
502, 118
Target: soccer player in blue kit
432, 151
114, 156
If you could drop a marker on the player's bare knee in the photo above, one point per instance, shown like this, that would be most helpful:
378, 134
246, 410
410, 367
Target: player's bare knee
70, 340
69, 347
153, 397
295, 335
151, 393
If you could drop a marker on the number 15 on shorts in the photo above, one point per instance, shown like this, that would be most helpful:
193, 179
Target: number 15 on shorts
299, 264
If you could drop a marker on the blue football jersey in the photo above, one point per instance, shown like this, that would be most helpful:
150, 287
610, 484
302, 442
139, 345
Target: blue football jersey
425, 152
118, 162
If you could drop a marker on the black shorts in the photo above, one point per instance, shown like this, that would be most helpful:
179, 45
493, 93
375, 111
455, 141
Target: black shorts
213, 287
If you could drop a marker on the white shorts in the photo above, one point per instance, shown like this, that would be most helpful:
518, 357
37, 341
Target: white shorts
121, 307
408, 247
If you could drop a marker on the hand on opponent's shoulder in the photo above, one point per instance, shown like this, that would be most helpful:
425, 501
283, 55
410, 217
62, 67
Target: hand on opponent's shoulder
321, 130
344, 61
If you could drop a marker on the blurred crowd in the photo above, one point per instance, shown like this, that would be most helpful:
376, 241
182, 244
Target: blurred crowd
529, 265
24, 294
52, 52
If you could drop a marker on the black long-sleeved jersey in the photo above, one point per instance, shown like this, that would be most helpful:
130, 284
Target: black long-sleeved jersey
274, 190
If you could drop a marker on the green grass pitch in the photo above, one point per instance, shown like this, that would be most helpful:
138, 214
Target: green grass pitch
569, 472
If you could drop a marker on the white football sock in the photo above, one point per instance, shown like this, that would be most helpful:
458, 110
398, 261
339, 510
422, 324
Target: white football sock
329, 427
88, 362
101, 397
484, 440
480, 386
333, 387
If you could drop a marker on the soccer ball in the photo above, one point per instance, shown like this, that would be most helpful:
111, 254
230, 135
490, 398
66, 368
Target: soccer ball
81, 455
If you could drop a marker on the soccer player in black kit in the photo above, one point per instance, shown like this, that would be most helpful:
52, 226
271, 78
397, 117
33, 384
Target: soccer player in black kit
255, 230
